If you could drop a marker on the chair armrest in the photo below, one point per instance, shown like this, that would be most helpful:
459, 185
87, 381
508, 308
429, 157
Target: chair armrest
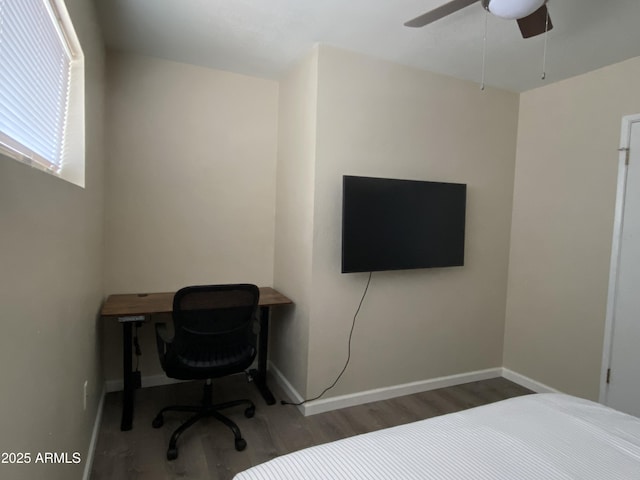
162, 339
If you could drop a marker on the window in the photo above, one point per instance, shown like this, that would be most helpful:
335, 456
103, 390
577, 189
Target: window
41, 88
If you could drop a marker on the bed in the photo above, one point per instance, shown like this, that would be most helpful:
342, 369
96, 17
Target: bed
533, 437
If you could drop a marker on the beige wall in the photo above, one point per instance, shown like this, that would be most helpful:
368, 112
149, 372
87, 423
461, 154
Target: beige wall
294, 218
565, 188
51, 268
191, 175
380, 119
190, 182
340, 113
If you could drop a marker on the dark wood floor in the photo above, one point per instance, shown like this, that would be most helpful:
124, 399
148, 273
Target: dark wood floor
206, 450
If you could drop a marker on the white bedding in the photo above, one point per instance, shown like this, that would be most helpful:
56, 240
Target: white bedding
536, 437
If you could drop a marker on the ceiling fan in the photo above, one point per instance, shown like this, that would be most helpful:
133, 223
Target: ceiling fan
532, 15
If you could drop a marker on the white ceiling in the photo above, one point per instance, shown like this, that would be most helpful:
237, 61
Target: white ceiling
265, 37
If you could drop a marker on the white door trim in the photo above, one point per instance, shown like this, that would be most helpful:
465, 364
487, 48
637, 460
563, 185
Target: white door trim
625, 141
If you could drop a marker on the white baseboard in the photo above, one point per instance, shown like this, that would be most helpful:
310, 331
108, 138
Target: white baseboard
148, 381
88, 462
527, 382
291, 393
385, 393
367, 396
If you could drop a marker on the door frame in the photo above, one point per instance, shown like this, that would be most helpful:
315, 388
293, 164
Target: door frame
625, 142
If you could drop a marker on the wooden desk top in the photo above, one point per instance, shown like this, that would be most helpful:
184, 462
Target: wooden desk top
131, 304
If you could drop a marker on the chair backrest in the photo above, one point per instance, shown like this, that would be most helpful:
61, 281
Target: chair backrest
214, 324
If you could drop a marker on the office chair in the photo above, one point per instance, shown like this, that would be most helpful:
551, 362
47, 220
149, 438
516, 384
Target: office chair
213, 337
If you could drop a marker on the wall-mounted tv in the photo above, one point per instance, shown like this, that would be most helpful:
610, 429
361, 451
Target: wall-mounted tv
390, 224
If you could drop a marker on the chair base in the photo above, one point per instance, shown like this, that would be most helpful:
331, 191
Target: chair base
206, 410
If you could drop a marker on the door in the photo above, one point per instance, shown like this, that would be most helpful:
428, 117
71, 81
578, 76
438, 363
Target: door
622, 376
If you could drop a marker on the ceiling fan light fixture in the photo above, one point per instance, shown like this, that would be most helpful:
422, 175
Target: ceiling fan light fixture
512, 9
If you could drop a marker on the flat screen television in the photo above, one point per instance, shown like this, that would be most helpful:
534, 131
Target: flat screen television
390, 224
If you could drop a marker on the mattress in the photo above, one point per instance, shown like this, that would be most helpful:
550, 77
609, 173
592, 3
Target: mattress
537, 437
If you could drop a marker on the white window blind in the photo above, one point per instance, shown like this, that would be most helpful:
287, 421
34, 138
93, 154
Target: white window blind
35, 77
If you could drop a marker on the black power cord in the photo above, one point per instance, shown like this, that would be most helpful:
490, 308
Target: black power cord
353, 324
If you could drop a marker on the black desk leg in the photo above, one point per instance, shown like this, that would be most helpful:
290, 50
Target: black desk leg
127, 375
260, 375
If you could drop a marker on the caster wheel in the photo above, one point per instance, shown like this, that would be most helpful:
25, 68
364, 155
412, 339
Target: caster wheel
241, 444
172, 454
158, 421
250, 412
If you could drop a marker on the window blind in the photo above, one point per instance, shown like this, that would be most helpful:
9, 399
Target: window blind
35, 71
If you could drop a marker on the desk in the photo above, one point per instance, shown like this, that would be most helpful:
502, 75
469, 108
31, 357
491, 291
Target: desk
136, 308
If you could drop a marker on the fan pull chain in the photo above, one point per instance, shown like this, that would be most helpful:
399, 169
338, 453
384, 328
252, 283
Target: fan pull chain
484, 48
544, 54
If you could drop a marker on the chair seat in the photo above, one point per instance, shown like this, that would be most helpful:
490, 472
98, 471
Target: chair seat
208, 364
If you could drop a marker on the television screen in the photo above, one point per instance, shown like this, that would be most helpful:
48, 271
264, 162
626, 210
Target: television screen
390, 224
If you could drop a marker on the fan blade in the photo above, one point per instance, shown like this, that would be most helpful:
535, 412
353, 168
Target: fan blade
536, 23
438, 13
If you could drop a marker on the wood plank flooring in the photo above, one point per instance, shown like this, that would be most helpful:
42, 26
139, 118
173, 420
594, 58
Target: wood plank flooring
206, 450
